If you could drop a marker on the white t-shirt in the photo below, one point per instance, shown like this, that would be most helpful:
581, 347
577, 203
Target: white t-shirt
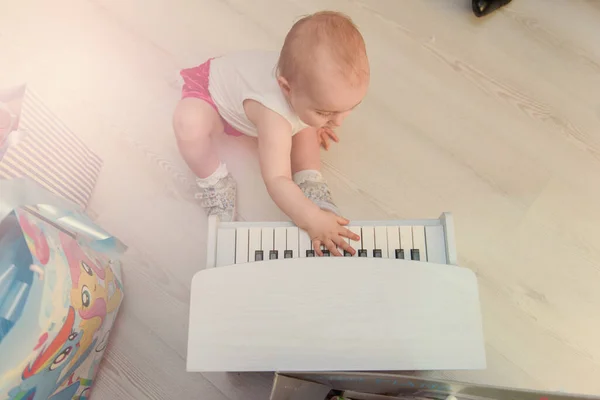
248, 75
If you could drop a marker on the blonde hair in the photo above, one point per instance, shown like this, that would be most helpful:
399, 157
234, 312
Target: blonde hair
331, 31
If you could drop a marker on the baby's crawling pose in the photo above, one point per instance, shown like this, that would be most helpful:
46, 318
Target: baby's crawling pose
291, 101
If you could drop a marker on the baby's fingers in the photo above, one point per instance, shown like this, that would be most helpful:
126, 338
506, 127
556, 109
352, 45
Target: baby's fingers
342, 244
324, 142
345, 232
332, 248
317, 247
342, 221
333, 136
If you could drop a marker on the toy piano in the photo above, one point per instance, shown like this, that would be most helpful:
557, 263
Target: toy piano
267, 302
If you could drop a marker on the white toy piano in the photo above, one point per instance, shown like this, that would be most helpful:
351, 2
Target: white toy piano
267, 302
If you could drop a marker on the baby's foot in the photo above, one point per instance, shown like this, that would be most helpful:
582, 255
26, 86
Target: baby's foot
219, 198
315, 188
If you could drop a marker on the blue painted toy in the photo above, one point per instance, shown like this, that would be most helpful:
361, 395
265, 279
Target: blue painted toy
58, 300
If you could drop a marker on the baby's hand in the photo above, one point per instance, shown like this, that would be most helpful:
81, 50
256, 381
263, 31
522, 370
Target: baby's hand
328, 229
325, 134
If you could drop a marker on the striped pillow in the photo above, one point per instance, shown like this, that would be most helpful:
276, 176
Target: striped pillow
50, 154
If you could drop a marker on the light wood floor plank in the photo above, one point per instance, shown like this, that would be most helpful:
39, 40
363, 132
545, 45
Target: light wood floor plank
495, 119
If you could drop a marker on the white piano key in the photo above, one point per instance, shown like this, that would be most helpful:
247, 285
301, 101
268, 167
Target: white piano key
292, 241
254, 244
225, 247
381, 242
406, 241
241, 246
356, 244
343, 252
304, 243
368, 239
280, 241
211, 241
436, 244
419, 242
267, 242
393, 240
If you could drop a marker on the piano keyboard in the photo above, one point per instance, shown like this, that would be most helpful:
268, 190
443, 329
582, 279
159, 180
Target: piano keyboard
328, 314
427, 240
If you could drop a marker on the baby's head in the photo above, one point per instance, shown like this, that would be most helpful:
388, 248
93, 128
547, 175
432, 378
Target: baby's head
323, 68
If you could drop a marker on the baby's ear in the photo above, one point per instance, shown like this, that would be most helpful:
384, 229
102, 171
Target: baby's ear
284, 84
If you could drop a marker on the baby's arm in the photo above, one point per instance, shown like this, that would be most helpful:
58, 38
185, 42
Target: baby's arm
274, 148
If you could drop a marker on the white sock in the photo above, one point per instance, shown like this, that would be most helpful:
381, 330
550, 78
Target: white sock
308, 175
220, 173
316, 189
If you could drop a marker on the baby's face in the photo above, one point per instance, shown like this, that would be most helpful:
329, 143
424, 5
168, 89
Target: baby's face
326, 100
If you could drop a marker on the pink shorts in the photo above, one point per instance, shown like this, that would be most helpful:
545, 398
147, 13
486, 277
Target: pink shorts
196, 86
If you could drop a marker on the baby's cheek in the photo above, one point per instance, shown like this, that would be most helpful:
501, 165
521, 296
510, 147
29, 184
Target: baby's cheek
311, 120
320, 121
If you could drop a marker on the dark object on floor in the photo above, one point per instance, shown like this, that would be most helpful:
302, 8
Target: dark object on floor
484, 7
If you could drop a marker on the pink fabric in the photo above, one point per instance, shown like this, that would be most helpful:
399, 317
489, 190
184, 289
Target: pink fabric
196, 86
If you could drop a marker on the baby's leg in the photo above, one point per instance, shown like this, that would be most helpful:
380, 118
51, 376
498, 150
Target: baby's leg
306, 169
194, 122
306, 151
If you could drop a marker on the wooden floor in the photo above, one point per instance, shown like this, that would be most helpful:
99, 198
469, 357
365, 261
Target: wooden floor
496, 120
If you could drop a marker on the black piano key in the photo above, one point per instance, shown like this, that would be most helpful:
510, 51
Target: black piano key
326, 253
258, 255
414, 254
310, 253
362, 253
400, 254
273, 255
377, 253
288, 254
347, 253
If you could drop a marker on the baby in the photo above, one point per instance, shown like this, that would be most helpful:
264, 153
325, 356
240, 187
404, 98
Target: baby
291, 101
